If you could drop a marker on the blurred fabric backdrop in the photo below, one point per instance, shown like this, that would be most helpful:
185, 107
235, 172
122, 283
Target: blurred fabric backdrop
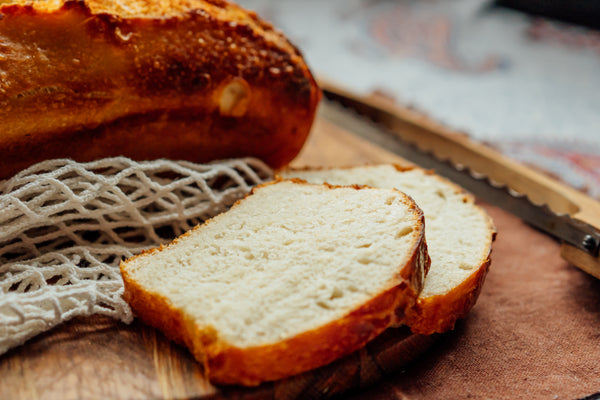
525, 84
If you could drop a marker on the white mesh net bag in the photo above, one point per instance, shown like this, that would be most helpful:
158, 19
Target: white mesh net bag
65, 226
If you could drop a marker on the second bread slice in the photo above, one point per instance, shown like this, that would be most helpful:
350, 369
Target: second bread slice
459, 237
289, 279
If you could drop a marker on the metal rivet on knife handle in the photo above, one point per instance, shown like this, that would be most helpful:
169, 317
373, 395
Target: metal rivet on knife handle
591, 245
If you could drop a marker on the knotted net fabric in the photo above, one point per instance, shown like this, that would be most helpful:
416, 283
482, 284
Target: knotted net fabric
65, 227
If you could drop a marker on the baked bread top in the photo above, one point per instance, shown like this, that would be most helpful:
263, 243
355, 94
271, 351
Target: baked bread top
289, 279
459, 237
196, 80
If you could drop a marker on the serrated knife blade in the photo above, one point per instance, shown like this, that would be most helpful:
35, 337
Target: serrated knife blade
580, 238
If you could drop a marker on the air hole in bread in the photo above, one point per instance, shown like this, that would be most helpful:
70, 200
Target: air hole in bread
328, 249
323, 304
406, 230
466, 267
336, 294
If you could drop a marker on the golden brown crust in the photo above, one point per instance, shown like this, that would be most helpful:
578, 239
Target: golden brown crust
228, 364
197, 80
438, 314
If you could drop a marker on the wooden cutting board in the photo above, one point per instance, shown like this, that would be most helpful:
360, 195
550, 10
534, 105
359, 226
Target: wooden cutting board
100, 358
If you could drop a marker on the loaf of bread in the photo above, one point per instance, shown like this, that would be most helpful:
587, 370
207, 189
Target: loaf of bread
289, 279
459, 238
197, 80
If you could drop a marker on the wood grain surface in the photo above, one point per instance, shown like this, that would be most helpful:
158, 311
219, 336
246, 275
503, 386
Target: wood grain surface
98, 358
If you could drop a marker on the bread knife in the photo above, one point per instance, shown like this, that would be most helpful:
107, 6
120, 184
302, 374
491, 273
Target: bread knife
545, 203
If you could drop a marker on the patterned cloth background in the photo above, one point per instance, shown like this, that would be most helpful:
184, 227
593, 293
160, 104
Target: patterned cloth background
528, 86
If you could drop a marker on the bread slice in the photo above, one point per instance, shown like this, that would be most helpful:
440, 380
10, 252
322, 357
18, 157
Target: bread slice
290, 278
193, 80
459, 238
